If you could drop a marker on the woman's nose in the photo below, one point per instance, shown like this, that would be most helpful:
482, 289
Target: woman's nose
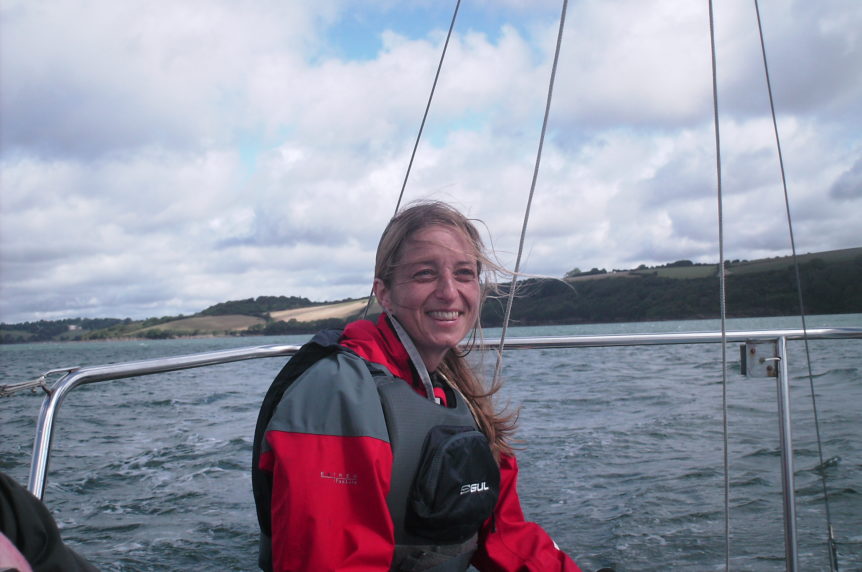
446, 289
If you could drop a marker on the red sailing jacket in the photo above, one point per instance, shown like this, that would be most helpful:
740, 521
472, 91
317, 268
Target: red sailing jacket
328, 450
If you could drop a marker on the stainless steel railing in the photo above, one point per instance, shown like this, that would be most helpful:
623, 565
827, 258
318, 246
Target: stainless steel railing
76, 377
85, 375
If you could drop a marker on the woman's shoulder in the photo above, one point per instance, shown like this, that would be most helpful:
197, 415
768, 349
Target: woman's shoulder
340, 366
336, 395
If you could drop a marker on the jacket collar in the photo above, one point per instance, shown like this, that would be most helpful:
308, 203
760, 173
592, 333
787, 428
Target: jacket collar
379, 344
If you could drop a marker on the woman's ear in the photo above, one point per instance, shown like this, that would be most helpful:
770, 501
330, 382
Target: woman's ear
381, 292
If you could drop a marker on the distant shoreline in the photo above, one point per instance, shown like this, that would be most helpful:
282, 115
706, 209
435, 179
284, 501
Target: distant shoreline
681, 290
311, 332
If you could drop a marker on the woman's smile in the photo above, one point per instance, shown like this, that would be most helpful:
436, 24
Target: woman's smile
444, 315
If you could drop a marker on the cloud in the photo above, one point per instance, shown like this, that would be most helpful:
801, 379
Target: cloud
156, 160
849, 184
131, 75
634, 63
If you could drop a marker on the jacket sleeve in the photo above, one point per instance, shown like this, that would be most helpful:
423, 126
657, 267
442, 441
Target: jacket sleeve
328, 450
508, 543
29, 533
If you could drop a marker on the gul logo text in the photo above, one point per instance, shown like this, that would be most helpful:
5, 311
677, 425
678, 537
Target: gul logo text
474, 488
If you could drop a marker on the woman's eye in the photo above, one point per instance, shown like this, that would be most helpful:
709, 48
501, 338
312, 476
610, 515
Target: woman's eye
424, 275
466, 274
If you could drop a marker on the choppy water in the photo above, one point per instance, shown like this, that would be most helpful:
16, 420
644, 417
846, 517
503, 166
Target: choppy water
621, 458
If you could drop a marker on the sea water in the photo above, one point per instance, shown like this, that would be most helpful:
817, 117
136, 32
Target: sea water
620, 449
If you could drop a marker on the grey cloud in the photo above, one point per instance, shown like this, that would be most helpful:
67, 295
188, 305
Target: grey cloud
130, 299
278, 228
680, 178
70, 121
849, 184
809, 50
355, 278
113, 77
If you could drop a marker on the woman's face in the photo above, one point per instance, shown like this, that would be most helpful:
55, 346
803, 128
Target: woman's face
434, 291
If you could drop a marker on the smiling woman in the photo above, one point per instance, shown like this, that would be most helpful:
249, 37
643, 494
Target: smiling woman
379, 448
434, 291
427, 276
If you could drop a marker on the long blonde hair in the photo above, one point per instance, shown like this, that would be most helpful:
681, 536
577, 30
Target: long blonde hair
497, 425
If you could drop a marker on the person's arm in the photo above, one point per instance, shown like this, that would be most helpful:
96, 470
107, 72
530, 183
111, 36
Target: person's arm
508, 543
331, 461
28, 530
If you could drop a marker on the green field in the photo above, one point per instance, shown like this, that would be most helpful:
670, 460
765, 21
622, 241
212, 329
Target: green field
203, 325
767, 264
681, 272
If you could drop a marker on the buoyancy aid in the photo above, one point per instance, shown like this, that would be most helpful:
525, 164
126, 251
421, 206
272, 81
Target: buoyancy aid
444, 483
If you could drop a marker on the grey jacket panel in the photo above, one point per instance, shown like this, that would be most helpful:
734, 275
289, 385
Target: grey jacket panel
336, 396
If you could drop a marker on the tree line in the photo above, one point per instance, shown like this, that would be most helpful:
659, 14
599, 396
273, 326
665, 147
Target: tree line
260, 306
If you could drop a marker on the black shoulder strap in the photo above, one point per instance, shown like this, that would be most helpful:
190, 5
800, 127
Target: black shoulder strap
320, 346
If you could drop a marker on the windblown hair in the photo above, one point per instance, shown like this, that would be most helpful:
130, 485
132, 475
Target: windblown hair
498, 426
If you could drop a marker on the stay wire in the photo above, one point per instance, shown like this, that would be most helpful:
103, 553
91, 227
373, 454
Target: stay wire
428, 105
832, 546
499, 365
421, 129
722, 294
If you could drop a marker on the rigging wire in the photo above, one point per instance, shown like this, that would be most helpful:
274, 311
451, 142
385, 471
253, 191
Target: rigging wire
428, 105
832, 546
421, 129
499, 365
722, 294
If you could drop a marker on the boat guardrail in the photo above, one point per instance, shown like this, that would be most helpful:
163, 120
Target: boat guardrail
75, 377
78, 376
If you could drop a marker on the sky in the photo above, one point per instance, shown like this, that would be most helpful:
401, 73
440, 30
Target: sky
158, 157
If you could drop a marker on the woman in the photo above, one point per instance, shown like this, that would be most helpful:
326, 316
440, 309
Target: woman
378, 448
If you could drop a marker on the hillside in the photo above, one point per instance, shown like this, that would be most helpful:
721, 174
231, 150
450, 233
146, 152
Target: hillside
199, 325
651, 295
831, 284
